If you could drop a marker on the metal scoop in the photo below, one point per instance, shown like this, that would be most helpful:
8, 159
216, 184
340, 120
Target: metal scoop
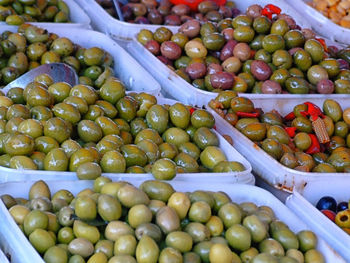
59, 72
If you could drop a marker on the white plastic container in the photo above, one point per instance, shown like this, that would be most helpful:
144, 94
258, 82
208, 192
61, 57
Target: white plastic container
126, 67
276, 174
3, 258
245, 177
303, 201
22, 252
320, 23
78, 18
119, 30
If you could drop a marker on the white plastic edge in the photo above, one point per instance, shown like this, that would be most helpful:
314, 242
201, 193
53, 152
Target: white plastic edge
22, 252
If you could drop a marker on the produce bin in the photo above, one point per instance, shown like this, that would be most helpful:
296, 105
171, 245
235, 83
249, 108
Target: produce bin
320, 23
303, 202
176, 87
245, 177
125, 68
119, 30
78, 18
269, 169
15, 243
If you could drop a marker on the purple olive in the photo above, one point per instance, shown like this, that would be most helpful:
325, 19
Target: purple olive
227, 50
196, 70
213, 68
325, 86
170, 50
254, 11
180, 9
172, 20
235, 12
225, 11
343, 64
271, 87
228, 33
222, 80
153, 47
155, 17
260, 70
191, 28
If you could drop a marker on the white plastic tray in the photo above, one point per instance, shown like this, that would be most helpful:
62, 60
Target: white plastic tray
303, 202
77, 17
3, 258
104, 22
22, 252
245, 177
320, 23
126, 68
263, 164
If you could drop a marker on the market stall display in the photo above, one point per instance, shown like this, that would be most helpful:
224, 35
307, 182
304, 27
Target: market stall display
270, 169
64, 13
237, 55
113, 131
336, 27
258, 206
304, 201
105, 169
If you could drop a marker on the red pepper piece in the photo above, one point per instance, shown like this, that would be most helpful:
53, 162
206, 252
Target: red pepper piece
270, 10
273, 9
290, 131
304, 113
289, 117
315, 145
323, 43
313, 110
266, 13
192, 110
253, 114
214, 127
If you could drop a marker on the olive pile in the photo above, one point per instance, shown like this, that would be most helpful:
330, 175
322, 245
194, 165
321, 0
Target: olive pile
56, 127
17, 12
291, 140
164, 12
250, 54
154, 223
33, 46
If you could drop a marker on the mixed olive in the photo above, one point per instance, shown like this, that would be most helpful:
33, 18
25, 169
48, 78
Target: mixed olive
165, 13
307, 139
32, 46
116, 222
17, 12
57, 127
339, 213
251, 53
